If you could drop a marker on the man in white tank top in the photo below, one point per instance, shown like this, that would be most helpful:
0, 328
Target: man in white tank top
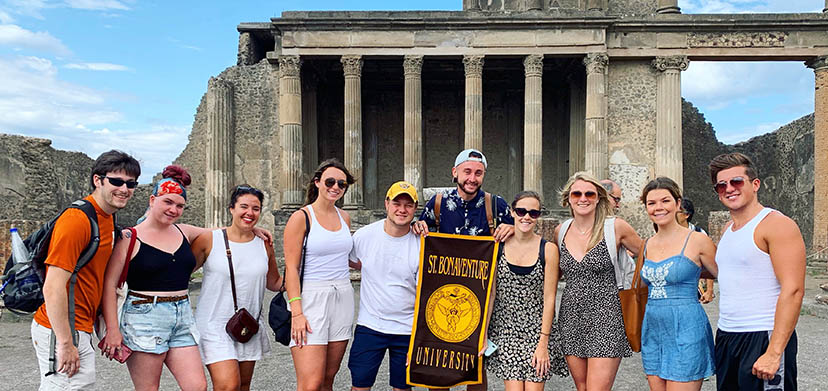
388, 253
761, 259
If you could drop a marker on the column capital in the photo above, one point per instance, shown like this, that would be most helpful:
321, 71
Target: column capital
533, 65
473, 65
352, 65
817, 63
596, 62
289, 66
413, 65
664, 63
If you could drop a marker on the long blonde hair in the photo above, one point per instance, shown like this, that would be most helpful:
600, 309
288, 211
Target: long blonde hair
602, 210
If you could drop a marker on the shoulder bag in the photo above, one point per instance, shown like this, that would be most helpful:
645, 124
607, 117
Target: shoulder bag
279, 316
242, 326
633, 304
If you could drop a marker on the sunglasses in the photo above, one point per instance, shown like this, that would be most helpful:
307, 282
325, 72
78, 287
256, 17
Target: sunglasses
247, 189
533, 213
330, 182
737, 183
590, 195
118, 182
616, 199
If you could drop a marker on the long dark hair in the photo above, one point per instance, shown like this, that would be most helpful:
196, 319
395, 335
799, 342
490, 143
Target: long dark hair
312, 192
241, 190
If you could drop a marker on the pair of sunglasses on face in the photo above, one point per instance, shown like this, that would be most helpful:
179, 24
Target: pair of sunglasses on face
118, 182
577, 194
330, 182
736, 182
533, 213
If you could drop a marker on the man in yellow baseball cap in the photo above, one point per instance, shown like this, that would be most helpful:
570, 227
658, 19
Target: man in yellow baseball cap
388, 253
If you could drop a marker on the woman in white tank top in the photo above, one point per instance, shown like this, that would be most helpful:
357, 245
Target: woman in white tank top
320, 294
229, 362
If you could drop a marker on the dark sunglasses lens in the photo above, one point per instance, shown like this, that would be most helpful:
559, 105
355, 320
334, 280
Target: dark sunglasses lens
520, 212
737, 182
534, 213
575, 194
342, 184
118, 182
591, 195
720, 187
330, 182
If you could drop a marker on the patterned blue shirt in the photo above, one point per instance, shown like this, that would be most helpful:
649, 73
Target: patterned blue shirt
458, 216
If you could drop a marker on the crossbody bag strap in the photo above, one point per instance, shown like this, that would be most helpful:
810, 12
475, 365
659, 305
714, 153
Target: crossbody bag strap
487, 201
304, 250
232, 275
132, 237
438, 200
638, 265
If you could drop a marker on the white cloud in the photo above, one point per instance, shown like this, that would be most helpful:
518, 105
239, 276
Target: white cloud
34, 99
744, 6
746, 133
20, 38
96, 66
717, 85
5, 18
97, 5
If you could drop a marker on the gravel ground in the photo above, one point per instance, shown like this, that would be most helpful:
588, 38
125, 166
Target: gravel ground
18, 368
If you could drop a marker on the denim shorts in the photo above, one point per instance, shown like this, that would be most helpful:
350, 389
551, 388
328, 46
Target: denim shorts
157, 327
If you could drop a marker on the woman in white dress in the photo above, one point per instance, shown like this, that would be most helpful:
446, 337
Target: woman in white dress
229, 362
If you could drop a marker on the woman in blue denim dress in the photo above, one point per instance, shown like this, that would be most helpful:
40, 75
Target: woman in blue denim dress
676, 340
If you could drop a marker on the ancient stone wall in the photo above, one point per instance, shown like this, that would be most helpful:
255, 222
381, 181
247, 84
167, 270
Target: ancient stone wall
632, 7
631, 124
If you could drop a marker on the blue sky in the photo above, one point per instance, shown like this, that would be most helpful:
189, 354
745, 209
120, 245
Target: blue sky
98, 74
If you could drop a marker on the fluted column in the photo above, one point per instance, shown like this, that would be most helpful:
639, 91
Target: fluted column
596, 147
534, 5
310, 129
290, 124
668, 159
413, 128
474, 101
820, 238
533, 123
352, 67
220, 152
471, 5
668, 7
577, 115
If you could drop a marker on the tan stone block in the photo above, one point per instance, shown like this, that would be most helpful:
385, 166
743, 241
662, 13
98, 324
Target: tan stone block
569, 37
504, 39
447, 39
671, 40
632, 40
321, 39
807, 39
393, 39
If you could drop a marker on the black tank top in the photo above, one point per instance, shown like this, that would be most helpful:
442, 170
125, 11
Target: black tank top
154, 270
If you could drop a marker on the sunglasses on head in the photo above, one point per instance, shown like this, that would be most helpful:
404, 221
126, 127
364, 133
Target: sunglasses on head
737, 182
256, 192
590, 195
330, 182
118, 182
533, 213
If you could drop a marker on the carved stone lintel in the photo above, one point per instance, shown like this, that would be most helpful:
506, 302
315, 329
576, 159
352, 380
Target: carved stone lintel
817, 63
289, 66
473, 65
596, 62
742, 39
671, 62
533, 65
352, 65
413, 65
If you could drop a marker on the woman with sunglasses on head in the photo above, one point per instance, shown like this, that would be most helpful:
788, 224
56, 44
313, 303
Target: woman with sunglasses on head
676, 338
156, 318
590, 321
320, 294
230, 362
521, 324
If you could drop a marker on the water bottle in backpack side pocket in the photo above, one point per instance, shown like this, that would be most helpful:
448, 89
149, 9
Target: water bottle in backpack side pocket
20, 253
27, 280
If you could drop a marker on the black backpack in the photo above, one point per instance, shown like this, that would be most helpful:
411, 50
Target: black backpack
23, 283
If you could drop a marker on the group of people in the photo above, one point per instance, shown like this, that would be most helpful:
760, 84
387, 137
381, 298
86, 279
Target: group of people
759, 264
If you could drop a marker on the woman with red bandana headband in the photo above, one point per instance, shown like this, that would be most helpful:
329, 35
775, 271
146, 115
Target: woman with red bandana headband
156, 320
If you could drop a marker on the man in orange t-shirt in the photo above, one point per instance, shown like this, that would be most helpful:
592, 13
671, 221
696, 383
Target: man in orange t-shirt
113, 180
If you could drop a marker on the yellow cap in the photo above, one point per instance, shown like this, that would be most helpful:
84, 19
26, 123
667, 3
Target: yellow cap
401, 187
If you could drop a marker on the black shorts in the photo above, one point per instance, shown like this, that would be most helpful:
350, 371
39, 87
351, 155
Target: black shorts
737, 352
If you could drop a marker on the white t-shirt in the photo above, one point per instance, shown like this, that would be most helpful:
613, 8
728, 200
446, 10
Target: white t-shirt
389, 278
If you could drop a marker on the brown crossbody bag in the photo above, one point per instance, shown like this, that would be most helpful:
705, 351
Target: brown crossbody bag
242, 326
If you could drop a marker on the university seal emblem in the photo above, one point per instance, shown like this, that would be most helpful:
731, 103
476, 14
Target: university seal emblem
452, 313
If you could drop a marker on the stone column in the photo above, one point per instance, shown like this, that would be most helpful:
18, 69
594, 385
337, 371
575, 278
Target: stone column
474, 101
413, 128
668, 159
577, 115
534, 5
310, 130
594, 5
668, 7
533, 124
220, 154
820, 238
471, 5
352, 66
825, 10
290, 124
596, 147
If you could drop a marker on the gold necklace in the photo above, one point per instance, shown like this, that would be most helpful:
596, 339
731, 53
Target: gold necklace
580, 231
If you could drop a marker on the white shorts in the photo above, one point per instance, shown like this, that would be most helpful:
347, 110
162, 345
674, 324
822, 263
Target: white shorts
329, 308
83, 380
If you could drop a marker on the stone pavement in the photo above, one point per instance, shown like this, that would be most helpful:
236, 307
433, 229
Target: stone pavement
18, 369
